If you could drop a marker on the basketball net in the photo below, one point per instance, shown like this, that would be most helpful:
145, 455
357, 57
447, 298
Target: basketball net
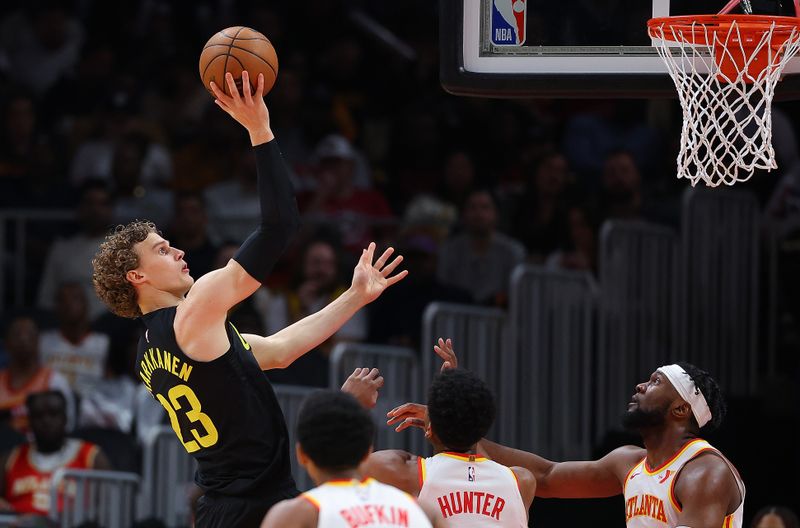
725, 68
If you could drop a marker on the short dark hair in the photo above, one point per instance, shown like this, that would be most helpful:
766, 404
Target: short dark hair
461, 409
785, 514
711, 392
32, 397
334, 430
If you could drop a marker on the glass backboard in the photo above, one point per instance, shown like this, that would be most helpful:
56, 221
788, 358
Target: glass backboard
568, 48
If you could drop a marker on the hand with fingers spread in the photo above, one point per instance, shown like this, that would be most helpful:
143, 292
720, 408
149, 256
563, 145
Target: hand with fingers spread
247, 108
444, 349
370, 280
364, 384
408, 415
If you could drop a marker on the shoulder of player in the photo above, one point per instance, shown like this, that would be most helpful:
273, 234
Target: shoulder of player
394, 467
299, 512
707, 475
526, 483
622, 459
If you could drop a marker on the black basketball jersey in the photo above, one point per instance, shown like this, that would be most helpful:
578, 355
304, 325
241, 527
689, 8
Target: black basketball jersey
224, 411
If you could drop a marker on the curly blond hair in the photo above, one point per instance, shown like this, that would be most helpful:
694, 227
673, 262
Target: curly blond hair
113, 261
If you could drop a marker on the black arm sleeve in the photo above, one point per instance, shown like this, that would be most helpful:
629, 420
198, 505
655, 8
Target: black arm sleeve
280, 219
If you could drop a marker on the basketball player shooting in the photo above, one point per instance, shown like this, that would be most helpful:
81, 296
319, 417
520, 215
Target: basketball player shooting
195, 363
678, 481
462, 488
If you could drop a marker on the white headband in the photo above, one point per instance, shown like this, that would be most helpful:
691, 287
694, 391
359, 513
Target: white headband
688, 391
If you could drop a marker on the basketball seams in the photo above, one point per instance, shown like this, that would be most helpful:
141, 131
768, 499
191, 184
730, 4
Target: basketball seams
212, 44
230, 47
225, 66
203, 76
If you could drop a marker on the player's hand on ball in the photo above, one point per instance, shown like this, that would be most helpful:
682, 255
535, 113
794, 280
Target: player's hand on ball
247, 108
444, 349
408, 415
364, 384
370, 280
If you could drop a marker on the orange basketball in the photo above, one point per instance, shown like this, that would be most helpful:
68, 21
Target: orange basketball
236, 49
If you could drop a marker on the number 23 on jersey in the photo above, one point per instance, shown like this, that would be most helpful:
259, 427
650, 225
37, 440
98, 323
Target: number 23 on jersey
193, 413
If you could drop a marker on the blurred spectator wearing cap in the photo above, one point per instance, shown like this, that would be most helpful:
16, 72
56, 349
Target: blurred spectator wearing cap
359, 213
26, 374
480, 259
73, 349
70, 260
396, 317
317, 282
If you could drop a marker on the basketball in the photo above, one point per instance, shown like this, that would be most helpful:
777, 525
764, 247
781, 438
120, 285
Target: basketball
236, 49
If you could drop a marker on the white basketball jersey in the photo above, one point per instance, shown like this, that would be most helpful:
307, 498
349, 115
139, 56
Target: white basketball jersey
471, 491
351, 504
650, 493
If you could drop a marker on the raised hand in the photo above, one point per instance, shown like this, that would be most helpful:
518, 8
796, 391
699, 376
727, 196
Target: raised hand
364, 384
444, 349
247, 108
370, 280
409, 415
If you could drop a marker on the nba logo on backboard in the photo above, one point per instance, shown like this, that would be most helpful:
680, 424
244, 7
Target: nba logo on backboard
508, 22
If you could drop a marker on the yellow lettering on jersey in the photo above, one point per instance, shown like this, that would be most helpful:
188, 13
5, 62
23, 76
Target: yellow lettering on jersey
245, 344
194, 414
185, 371
167, 360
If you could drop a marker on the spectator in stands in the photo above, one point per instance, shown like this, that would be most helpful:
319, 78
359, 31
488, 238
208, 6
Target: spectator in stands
411, 296
26, 472
579, 250
28, 158
229, 222
189, 231
480, 259
73, 349
70, 260
26, 374
41, 42
539, 219
775, 517
134, 198
359, 213
458, 179
317, 282
622, 187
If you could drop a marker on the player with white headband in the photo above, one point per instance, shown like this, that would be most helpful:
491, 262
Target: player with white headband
678, 481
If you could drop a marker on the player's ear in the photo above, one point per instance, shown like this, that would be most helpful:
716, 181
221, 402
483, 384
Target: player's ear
682, 411
134, 277
302, 457
428, 431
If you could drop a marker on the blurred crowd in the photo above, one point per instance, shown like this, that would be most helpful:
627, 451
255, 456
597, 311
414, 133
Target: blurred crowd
102, 112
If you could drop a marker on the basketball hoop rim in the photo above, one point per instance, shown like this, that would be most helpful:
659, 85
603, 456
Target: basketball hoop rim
674, 28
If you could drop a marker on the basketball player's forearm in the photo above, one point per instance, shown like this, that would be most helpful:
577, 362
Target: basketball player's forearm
285, 346
280, 218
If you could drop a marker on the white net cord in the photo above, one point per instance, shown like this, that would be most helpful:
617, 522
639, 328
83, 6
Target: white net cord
727, 120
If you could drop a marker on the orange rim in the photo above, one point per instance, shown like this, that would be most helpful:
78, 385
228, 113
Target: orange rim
751, 27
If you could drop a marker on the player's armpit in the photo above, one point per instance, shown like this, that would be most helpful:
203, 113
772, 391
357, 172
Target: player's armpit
527, 484
707, 492
393, 467
293, 513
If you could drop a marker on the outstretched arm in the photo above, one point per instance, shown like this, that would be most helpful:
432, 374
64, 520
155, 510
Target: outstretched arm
570, 480
198, 322
369, 281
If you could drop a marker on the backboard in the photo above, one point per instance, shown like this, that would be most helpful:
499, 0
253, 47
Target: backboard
567, 48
